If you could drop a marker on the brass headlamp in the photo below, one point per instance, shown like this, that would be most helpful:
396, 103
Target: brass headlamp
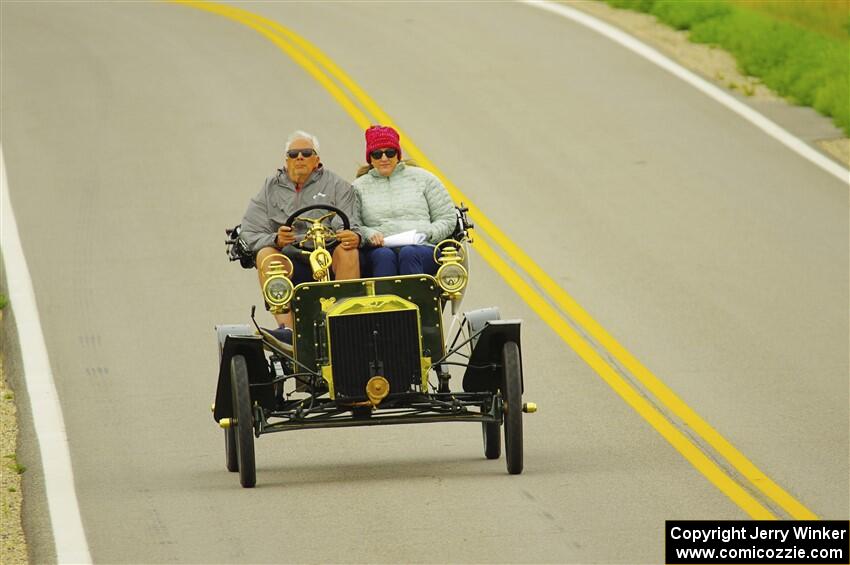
451, 276
277, 288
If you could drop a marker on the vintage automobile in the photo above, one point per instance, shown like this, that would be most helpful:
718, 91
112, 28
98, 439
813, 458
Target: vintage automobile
367, 352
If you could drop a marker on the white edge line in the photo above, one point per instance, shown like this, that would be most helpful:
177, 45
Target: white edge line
752, 116
65, 520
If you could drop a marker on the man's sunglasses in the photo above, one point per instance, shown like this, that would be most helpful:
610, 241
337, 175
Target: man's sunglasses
306, 153
378, 153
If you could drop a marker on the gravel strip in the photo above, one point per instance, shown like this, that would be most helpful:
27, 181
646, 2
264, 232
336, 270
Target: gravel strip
13, 545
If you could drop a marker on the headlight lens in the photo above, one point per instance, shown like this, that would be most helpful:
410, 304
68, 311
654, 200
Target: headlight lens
278, 290
452, 277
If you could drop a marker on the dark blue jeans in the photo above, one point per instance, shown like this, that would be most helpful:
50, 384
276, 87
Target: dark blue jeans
407, 260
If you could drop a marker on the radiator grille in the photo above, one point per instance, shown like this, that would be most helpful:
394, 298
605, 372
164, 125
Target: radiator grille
358, 341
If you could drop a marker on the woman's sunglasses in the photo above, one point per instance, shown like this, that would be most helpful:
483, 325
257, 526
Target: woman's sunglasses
306, 153
378, 153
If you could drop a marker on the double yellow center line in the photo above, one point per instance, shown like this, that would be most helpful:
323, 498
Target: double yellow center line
546, 298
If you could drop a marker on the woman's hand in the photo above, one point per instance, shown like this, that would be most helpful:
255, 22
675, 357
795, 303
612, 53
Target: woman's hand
348, 239
377, 239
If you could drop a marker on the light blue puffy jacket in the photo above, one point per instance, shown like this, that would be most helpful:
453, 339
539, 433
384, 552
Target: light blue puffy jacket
411, 198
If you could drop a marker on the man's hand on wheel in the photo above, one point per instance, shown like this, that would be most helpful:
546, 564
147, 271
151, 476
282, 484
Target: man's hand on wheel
285, 236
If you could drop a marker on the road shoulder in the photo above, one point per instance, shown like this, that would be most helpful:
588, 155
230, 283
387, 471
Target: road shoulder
720, 68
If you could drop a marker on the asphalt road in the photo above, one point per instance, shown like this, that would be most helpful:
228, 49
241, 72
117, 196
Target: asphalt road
135, 133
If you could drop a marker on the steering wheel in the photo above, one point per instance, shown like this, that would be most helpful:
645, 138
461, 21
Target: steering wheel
318, 230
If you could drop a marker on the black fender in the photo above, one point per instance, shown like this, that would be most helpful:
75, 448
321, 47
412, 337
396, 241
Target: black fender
251, 347
483, 373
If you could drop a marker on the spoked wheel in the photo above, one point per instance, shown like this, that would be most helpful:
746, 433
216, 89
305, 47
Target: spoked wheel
512, 395
244, 428
230, 450
492, 440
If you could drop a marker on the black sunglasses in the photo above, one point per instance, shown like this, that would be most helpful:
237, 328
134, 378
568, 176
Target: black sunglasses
306, 153
378, 153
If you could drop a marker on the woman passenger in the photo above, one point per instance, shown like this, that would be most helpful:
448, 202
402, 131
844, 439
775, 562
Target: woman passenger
394, 197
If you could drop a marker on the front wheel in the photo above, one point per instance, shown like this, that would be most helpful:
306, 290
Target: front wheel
512, 396
244, 428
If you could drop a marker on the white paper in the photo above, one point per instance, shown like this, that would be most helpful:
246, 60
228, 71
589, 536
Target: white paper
411, 237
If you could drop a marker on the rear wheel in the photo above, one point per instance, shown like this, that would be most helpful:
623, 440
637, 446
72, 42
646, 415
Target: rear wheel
231, 455
492, 440
512, 396
244, 428
231, 459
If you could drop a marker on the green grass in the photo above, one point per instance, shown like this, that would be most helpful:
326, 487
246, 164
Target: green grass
800, 49
831, 17
3, 301
14, 465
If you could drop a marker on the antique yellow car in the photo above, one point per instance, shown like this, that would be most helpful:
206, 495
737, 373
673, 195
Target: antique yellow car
368, 352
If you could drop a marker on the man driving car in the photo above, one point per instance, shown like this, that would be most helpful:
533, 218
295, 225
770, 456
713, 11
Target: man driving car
303, 181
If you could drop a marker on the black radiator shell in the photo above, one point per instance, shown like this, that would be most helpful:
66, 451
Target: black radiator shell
376, 343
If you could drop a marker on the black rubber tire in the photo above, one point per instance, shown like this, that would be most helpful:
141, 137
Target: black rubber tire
244, 429
231, 457
231, 460
512, 396
492, 440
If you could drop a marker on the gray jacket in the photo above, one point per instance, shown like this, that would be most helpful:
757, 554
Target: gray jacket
270, 208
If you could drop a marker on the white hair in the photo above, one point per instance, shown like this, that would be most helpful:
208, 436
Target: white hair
301, 134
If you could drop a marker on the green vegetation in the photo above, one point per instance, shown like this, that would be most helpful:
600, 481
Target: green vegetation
3, 301
14, 465
831, 17
798, 48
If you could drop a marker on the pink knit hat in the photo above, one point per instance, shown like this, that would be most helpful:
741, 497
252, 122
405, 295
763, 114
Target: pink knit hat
381, 137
